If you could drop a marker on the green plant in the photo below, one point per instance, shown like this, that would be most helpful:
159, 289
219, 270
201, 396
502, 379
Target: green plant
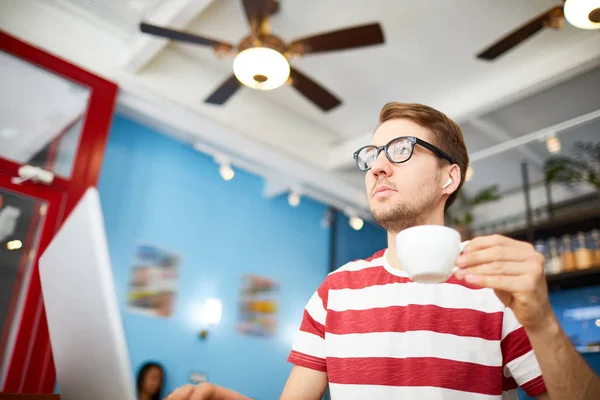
582, 168
461, 212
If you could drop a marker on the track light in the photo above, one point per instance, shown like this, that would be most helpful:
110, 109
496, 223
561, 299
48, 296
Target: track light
553, 144
227, 173
14, 245
469, 174
356, 223
294, 198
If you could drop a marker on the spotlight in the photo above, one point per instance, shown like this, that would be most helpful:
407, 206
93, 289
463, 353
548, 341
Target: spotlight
14, 245
553, 144
469, 174
227, 173
356, 223
294, 199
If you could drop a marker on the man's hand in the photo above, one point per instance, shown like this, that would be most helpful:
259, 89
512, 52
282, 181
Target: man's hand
205, 391
515, 270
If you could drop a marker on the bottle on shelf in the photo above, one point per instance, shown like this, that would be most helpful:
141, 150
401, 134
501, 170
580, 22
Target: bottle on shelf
556, 265
584, 256
595, 234
568, 256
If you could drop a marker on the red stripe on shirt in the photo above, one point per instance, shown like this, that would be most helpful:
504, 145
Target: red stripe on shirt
413, 317
436, 372
375, 276
371, 276
311, 326
378, 254
509, 384
535, 387
514, 345
307, 361
323, 292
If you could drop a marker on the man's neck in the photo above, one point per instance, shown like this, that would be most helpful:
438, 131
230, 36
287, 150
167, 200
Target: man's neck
391, 238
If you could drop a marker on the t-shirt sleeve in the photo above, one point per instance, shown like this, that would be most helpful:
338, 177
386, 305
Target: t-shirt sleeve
518, 359
308, 349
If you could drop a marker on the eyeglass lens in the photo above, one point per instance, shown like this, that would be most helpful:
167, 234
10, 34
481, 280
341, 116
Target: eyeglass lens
398, 151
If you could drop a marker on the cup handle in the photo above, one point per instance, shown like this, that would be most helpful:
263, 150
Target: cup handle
462, 247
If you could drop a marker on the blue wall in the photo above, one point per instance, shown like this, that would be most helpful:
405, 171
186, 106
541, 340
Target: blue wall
156, 190
352, 245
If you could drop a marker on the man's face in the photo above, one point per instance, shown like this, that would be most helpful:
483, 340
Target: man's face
400, 195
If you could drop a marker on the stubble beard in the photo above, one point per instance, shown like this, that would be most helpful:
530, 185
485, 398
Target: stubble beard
406, 214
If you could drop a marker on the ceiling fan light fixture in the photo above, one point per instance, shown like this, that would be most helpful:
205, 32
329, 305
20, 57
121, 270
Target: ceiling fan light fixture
583, 14
261, 68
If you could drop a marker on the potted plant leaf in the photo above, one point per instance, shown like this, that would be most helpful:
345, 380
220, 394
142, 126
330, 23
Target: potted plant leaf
460, 214
582, 168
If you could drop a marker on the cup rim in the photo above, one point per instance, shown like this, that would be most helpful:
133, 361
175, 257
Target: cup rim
430, 226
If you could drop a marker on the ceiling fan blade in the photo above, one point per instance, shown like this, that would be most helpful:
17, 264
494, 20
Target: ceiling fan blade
521, 34
357, 36
224, 92
256, 13
183, 36
314, 92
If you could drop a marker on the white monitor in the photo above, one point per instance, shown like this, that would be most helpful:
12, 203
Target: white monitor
86, 332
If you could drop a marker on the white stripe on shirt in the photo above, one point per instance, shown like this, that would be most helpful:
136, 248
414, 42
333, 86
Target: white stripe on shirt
447, 295
415, 344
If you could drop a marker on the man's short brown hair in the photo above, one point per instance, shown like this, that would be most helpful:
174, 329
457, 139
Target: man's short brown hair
446, 133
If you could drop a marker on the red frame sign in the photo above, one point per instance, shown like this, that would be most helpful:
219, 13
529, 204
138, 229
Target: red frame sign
31, 369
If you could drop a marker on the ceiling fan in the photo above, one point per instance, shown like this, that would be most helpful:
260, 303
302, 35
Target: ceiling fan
584, 14
262, 58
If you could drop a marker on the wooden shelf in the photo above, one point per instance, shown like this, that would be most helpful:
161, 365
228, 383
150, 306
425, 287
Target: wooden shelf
574, 279
583, 221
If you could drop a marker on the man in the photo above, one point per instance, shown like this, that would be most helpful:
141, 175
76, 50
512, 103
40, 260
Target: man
371, 333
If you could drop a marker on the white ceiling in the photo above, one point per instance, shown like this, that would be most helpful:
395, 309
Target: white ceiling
428, 57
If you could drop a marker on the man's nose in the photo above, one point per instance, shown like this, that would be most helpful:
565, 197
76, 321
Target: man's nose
382, 165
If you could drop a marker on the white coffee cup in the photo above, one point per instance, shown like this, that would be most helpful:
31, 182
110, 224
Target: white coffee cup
428, 253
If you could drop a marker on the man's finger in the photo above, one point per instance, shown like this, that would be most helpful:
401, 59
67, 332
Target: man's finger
182, 393
490, 255
495, 268
204, 391
483, 242
507, 283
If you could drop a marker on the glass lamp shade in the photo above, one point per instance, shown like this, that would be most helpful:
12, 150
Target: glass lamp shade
261, 68
584, 14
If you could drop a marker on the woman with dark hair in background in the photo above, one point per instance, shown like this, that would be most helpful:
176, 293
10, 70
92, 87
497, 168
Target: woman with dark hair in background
150, 381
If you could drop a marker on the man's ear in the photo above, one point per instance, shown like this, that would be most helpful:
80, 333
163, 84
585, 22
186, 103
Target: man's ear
453, 180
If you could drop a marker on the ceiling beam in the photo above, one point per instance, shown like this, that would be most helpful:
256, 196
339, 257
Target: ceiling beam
493, 91
274, 188
313, 182
174, 14
540, 134
499, 135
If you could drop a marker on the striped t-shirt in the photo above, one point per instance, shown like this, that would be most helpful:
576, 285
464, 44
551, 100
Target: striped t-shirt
379, 335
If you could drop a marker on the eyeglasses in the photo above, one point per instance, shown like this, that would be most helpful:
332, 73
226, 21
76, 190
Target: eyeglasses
398, 150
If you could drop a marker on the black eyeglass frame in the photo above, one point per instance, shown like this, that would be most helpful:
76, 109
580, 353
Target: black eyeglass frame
413, 140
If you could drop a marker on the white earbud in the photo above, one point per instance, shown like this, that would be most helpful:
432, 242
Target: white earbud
448, 183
